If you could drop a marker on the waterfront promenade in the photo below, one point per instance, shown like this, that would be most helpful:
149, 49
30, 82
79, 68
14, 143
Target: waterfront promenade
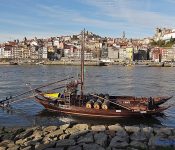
93, 63
87, 137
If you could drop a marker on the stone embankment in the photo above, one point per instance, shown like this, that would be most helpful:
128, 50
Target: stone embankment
86, 137
75, 63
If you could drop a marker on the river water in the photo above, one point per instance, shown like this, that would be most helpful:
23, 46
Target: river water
115, 80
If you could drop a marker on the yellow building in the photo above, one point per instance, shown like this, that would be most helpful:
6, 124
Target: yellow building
129, 53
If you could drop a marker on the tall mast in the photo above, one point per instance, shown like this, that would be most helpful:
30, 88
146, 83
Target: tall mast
82, 61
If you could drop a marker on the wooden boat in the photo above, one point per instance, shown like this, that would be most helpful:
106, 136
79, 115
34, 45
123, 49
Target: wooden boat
98, 105
121, 106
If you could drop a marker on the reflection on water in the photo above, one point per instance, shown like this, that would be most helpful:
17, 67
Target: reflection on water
151, 121
115, 80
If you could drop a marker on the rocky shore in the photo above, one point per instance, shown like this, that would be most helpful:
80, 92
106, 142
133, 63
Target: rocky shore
87, 137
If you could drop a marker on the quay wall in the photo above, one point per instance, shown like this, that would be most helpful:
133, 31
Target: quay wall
75, 63
87, 137
92, 63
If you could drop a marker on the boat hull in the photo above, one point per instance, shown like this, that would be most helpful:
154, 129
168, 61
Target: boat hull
96, 113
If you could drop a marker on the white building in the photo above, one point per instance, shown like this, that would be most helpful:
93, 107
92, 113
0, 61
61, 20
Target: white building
44, 56
34, 43
8, 53
18, 53
168, 36
56, 43
1, 52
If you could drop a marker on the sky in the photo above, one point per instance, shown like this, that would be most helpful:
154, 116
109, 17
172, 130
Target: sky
107, 18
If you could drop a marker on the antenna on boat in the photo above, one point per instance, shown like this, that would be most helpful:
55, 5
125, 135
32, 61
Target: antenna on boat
82, 61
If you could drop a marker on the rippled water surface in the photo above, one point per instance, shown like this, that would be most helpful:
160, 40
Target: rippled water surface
115, 80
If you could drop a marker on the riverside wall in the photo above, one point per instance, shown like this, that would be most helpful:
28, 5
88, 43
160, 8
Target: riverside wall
87, 137
91, 63
74, 63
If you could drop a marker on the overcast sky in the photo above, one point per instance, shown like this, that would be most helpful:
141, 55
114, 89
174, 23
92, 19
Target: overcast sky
44, 18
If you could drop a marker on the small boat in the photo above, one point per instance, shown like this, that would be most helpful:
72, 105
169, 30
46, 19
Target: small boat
98, 105
13, 63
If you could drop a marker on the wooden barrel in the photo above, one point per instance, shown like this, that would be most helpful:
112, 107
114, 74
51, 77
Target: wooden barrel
89, 104
105, 105
97, 104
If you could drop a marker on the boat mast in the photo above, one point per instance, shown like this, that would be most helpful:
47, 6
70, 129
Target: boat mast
82, 60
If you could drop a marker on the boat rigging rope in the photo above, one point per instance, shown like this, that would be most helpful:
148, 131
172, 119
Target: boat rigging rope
7, 103
27, 92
